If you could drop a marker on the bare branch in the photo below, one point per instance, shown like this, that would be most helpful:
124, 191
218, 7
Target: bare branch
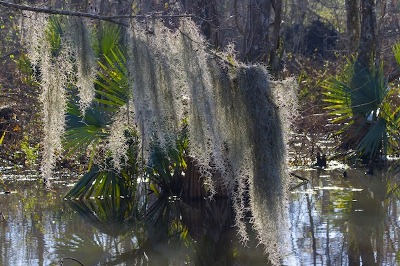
112, 19
60, 12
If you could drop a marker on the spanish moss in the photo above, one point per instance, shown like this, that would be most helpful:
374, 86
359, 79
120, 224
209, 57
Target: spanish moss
80, 38
238, 119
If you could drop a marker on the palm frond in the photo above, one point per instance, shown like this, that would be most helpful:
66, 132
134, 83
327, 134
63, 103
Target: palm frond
101, 183
166, 165
368, 89
109, 36
373, 140
112, 85
54, 32
83, 132
357, 101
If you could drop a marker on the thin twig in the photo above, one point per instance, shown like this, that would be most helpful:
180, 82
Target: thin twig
60, 12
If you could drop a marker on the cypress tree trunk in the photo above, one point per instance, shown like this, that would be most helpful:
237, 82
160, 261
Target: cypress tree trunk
193, 183
275, 54
256, 39
353, 24
367, 49
368, 44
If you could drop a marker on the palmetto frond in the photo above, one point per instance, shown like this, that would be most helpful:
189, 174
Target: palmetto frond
338, 98
93, 128
355, 100
102, 183
83, 132
112, 85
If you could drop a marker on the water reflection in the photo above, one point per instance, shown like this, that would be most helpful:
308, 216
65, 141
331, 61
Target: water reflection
344, 221
32, 223
333, 221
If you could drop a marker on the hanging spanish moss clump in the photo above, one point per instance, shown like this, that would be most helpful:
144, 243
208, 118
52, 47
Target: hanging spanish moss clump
237, 121
172, 82
34, 36
52, 63
116, 143
158, 86
54, 78
268, 183
206, 140
79, 37
254, 116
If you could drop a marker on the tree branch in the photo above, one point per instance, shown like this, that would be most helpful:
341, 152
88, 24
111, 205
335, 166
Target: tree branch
112, 19
60, 12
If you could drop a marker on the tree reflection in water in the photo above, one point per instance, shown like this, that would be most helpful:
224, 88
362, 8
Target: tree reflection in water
333, 221
173, 232
366, 222
352, 221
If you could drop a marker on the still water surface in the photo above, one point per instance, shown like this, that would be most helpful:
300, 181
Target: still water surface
334, 221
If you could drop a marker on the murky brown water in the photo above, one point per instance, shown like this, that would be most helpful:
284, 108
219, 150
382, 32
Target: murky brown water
334, 221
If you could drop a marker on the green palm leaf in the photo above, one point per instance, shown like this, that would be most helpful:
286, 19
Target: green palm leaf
112, 85
374, 138
100, 183
83, 132
355, 99
92, 129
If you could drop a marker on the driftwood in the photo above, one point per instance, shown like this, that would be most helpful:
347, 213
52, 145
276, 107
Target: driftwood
303, 179
299, 177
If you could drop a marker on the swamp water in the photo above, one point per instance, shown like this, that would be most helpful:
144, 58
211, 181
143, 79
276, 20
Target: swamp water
333, 221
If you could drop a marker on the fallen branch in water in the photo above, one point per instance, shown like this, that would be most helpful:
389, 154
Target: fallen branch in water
299, 185
70, 258
303, 179
299, 177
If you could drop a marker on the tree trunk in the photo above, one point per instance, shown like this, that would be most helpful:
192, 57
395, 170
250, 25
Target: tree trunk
276, 50
210, 24
353, 24
193, 188
256, 39
368, 44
